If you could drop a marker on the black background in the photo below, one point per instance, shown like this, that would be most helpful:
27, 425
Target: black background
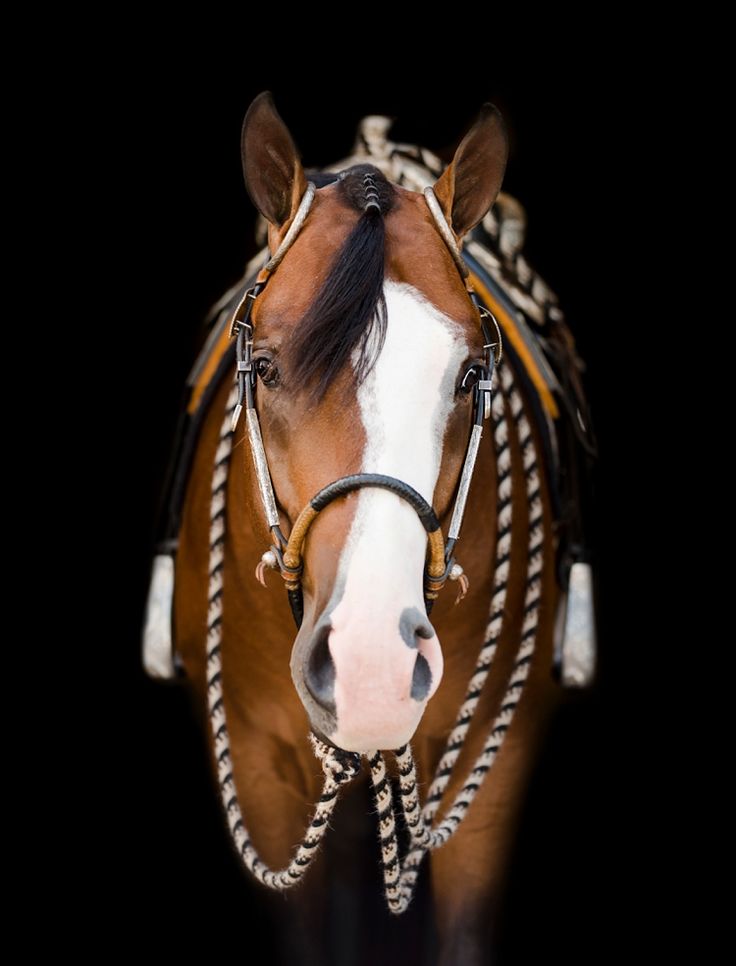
180, 192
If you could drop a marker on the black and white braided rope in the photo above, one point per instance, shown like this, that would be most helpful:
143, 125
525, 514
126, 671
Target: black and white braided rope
416, 820
339, 767
400, 877
504, 511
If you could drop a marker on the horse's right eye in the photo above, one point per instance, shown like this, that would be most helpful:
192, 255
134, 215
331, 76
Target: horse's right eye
471, 377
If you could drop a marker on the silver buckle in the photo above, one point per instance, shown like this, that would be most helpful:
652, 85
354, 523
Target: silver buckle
485, 386
237, 322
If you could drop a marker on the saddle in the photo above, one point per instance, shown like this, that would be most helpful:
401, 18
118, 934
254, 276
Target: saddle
542, 349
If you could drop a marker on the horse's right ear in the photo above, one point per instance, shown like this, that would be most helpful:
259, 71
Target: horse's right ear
273, 172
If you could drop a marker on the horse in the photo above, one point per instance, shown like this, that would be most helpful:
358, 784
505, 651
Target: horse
365, 364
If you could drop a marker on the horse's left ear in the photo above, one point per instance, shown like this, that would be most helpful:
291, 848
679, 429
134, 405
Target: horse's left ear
469, 186
272, 170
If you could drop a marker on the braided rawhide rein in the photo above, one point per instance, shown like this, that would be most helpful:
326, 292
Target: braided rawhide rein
338, 766
400, 877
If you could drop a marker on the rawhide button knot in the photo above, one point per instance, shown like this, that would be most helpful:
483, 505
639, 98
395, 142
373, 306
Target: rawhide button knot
336, 764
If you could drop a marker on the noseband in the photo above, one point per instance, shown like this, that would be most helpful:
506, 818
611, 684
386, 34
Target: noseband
287, 555
291, 561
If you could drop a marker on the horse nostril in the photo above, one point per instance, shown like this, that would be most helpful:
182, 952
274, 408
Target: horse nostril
413, 624
413, 627
319, 676
421, 680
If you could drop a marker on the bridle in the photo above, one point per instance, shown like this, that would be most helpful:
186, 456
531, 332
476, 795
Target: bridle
286, 555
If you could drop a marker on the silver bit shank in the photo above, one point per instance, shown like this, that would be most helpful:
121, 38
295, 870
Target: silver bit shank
467, 476
259, 461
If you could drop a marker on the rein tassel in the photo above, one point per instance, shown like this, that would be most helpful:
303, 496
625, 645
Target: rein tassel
457, 573
268, 560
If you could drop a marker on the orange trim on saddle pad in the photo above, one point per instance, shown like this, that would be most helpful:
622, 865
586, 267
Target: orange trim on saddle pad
510, 331
209, 369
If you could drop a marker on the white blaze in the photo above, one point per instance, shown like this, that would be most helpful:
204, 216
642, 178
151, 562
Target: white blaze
404, 403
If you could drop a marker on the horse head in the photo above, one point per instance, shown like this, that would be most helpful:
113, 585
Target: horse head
367, 348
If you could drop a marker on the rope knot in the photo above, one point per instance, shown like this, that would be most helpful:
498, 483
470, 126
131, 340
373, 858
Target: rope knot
341, 766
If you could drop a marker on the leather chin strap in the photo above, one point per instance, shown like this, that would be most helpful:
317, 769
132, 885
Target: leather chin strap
288, 556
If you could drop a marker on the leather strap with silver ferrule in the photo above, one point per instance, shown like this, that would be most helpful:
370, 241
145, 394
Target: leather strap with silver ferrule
242, 328
492, 351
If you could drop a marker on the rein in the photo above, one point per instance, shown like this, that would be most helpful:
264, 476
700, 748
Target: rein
506, 407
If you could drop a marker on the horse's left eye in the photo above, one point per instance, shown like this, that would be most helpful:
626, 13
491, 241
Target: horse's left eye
267, 371
468, 381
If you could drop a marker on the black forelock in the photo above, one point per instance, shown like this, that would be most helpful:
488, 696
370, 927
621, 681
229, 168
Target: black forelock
350, 302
